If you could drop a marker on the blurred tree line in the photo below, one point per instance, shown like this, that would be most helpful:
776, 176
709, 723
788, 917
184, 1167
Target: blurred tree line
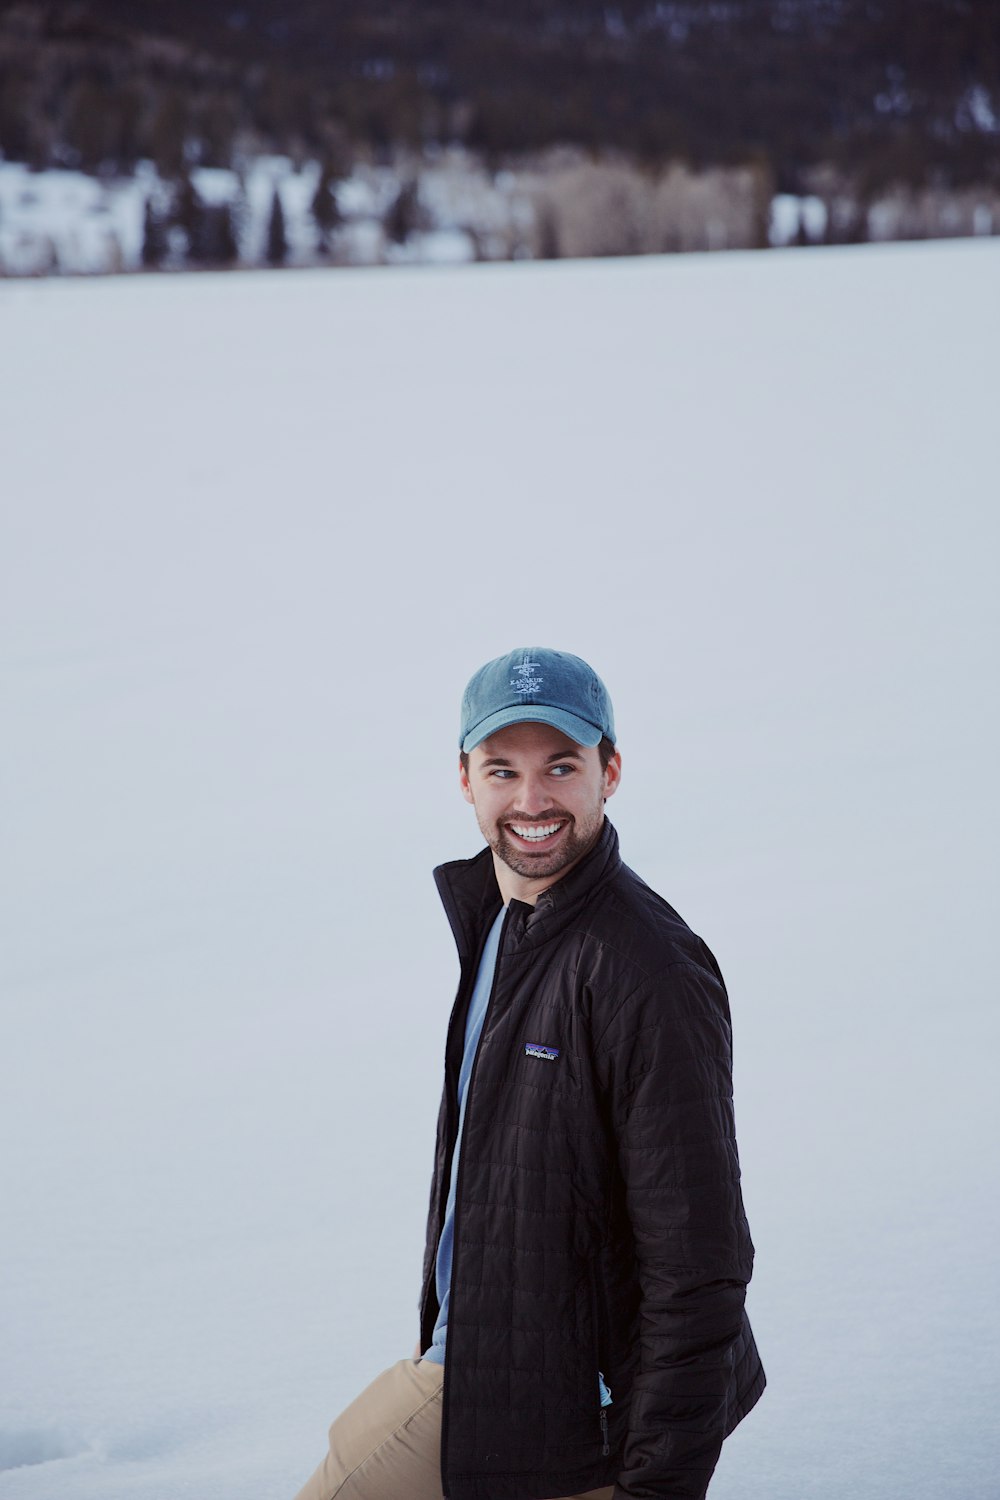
884, 90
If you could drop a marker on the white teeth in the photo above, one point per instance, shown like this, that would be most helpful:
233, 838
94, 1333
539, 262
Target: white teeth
535, 831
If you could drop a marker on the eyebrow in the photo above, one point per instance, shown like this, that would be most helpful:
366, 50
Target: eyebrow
498, 760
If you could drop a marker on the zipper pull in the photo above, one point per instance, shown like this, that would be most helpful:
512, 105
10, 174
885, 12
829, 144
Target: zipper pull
604, 1433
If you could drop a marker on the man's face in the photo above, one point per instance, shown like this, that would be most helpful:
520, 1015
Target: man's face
539, 800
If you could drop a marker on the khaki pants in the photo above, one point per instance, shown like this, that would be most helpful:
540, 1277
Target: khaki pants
387, 1444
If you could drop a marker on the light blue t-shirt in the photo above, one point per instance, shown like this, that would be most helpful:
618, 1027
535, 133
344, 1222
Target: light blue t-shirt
473, 1030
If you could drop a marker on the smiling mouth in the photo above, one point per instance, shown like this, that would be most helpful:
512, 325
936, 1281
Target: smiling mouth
536, 834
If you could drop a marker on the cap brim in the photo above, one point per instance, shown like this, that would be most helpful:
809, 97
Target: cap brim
534, 713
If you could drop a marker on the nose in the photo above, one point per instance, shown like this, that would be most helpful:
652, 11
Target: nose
534, 795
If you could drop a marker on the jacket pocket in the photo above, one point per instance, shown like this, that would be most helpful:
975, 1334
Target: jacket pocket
597, 1319
598, 1354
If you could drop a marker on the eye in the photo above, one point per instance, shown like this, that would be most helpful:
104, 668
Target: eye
501, 772
562, 770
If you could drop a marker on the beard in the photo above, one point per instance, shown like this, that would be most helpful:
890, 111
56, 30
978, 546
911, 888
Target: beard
576, 840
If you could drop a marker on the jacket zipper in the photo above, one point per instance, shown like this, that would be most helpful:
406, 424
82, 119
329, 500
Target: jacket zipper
466, 983
595, 1313
456, 1243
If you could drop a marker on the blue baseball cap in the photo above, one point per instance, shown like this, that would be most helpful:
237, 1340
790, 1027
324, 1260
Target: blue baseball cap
536, 686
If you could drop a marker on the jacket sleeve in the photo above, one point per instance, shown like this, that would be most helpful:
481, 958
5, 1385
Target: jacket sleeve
667, 1057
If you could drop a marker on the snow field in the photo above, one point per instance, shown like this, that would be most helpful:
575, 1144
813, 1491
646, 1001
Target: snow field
257, 532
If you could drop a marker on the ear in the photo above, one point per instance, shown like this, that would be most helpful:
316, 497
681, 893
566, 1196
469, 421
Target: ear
463, 781
612, 775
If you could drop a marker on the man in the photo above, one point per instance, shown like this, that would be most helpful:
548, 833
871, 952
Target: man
582, 1320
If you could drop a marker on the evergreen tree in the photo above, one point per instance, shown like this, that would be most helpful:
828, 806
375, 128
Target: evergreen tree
214, 241
208, 227
326, 214
230, 246
87, 126
277, 243
548, 233
187, 212
239, 218
167, 134
154, 238
402, 218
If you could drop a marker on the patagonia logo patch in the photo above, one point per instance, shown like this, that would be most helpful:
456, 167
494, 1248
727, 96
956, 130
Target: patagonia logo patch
536, 1049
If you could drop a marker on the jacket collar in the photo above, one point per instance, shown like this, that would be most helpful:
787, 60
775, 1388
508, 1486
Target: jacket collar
471, 897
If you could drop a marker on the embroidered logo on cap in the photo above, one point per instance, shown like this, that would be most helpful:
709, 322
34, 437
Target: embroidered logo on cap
536, 1049
524, 679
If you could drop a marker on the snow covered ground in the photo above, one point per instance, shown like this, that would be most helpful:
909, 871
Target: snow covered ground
257, 531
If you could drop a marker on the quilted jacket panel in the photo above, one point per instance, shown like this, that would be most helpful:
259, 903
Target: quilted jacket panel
599, 1221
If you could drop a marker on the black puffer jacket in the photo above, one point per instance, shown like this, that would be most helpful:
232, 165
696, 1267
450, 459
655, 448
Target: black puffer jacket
599, 1224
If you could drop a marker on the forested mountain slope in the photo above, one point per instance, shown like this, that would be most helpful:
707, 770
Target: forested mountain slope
888, 90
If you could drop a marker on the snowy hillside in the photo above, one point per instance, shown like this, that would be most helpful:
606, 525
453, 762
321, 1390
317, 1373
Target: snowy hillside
257, 531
